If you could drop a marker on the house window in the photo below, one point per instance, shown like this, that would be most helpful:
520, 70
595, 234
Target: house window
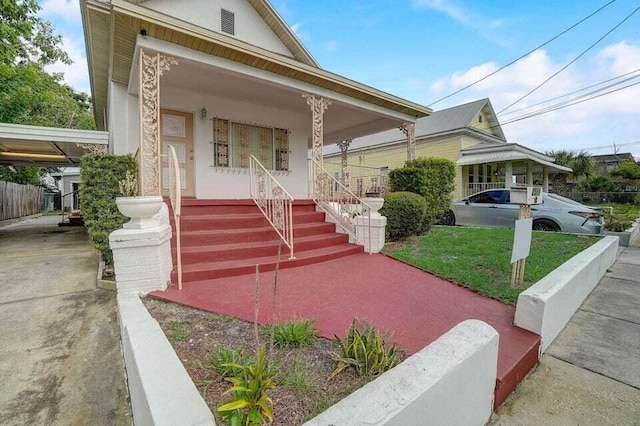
234, 143
470, 172
489, 174
227, 22
479, 119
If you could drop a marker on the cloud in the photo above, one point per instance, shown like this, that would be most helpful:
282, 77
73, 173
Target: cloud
603, 120
75, 75
68, 10
446, 7
331, 45
296, 27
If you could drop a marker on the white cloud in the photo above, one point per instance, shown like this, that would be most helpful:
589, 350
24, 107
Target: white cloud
331, 45
296, 27
68, 10
612, 117
445, 6
75, 75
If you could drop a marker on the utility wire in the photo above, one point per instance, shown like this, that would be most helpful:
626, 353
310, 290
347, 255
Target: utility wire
571, 62
577, 91
524, 55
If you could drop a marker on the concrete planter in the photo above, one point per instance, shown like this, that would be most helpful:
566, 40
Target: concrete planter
140, 210
626, 236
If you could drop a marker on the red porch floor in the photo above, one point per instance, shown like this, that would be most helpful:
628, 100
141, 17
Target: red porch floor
415, 306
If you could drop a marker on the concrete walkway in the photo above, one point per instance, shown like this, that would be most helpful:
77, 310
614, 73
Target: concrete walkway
60, 358
590, 375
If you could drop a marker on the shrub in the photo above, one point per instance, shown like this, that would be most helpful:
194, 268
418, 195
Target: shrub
433, 178
99, 186
219, 361
366, 351
617, 225
405, 212
597, 184
298, 332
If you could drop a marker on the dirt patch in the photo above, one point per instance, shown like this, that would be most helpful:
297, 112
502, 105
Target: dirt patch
302, 392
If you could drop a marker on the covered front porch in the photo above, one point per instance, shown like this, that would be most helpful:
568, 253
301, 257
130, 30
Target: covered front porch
500, 166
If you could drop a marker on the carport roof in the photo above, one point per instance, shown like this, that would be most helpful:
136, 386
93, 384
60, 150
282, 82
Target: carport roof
47, 146
507, 152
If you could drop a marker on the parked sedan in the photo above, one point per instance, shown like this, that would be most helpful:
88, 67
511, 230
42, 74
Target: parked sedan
556, 213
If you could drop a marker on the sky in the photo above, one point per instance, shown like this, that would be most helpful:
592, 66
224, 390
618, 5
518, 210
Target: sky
423, 50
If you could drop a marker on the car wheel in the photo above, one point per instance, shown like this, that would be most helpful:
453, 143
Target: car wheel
545, 225
448, 218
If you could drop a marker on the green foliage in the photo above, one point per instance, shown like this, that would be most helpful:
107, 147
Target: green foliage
580, 162
617, 225
299, 376
433, 178
597, 184
626, 170
365, 350
178, 330
250, 403
27, 38
298, 332
220, 360
99, 179
25, 175
406, 214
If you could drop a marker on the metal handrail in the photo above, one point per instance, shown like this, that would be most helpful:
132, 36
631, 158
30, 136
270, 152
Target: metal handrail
339, 203
62, 204
275, 203
175, 196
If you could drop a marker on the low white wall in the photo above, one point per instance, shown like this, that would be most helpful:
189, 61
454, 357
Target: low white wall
449, 382
547, 306
161, 390
627, 236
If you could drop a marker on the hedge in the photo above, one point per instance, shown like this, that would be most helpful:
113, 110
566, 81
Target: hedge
405, 212
433, 178
99, 177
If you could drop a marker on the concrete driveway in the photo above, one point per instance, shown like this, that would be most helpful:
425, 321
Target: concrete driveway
60, 358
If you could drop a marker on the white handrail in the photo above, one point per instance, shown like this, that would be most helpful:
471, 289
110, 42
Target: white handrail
339, 203
175, 196
275, 203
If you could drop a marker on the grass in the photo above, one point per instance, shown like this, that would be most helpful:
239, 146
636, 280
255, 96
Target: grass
178, 330
298, 332
479, 258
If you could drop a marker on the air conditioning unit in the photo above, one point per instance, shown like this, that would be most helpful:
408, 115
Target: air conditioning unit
521, 194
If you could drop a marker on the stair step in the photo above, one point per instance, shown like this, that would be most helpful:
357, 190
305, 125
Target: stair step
240, 221
228, 268
249, 250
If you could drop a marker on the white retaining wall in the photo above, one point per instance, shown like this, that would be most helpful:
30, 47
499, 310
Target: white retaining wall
161, 390
547, 306
450, 382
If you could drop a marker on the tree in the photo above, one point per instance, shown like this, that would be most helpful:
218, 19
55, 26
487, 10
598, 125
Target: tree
581, 162
626, 170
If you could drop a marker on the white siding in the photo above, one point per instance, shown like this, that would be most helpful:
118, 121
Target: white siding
122, 120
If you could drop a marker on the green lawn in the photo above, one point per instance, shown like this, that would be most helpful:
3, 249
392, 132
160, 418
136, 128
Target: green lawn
478, 258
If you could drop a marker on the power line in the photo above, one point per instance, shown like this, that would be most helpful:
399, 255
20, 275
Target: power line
571, 62
524, 55
578, 91
609, 145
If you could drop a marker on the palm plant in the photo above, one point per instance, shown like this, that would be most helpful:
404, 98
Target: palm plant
581, 162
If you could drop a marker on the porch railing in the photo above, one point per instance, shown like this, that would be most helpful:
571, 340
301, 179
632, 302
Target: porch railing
275, 203
175, 196
360, 179
472, 188
340, 204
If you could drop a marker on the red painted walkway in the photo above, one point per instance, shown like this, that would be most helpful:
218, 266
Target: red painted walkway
415, 306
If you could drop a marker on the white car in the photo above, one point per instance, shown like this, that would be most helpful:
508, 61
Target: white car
556, 213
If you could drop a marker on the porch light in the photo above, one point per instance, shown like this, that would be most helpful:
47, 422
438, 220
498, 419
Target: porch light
203, 114
32, 155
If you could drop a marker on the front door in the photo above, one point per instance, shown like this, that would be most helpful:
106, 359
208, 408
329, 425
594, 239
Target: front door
176, 129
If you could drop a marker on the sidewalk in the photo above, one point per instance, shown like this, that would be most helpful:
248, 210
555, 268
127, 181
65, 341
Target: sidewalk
60, 358
590, 375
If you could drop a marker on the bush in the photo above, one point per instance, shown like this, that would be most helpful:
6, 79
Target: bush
432, 178
405, 212
597, 184
299, 332
99, 179
366, 351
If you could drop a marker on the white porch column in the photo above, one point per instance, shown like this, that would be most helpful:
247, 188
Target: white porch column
344, 146
529, 173
508, 174
151, 68
545, 179
409, 129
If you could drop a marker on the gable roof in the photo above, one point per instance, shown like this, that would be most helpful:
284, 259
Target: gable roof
439, 122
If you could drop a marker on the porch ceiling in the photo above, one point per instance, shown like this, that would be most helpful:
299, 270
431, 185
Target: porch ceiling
46, 146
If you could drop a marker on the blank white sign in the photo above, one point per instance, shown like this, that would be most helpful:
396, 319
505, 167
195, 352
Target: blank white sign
522, 239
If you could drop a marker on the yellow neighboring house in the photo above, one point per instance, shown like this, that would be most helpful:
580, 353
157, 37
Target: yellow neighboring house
469, 135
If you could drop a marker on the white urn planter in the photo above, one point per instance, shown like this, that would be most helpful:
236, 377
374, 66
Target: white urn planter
140, 210
375, 203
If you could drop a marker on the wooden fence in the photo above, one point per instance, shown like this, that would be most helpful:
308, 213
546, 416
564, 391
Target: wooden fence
19, 200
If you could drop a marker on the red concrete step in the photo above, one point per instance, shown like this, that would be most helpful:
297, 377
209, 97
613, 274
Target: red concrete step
229, 268
226, 221
249, 250
201, 207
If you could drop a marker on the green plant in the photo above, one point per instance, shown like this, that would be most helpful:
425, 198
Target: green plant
178, 330
99, 177
366, 351
405, 212
297, 332
617, 225
220, 360
129, 185
250, 403
299, 375
597, 184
